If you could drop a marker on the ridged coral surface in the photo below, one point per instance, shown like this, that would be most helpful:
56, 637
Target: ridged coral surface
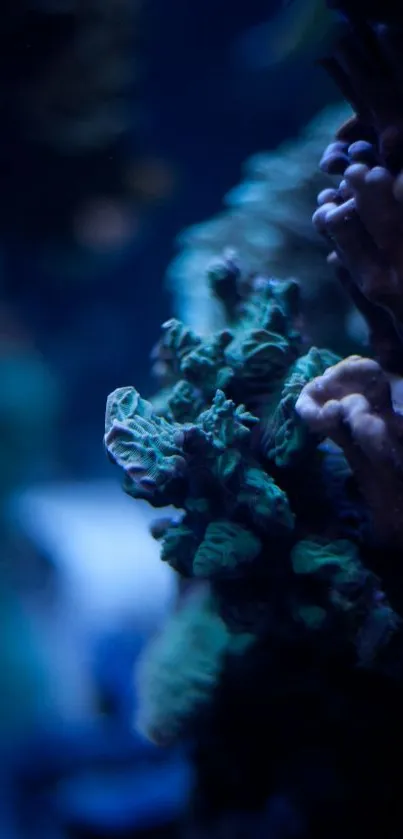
228, 444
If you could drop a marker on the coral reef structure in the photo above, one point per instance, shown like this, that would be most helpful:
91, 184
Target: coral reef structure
359, 402
267, 220
269, 531
283, 664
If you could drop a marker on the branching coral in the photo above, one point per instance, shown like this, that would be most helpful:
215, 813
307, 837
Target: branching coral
295, 632
357, 403
363, 218
348, 588
170, 701
225, 446
353, 404
267, 220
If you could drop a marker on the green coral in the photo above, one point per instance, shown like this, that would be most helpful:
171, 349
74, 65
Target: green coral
205, 467
185, 403
266, 504
266, 219
335, 565
179, 670
143, 445
346, 589
178, 339
225, 549
223, 448
179, 546
284, 436
208, 453
246, 360
340, 558
229, 423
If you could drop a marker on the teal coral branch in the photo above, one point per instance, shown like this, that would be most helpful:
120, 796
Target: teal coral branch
144, 446
284, 436
224, 446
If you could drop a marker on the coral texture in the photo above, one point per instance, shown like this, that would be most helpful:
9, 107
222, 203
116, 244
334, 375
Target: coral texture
362, 219
358, 402
201, 640
284, 465
353, 404
226, 447
267, 220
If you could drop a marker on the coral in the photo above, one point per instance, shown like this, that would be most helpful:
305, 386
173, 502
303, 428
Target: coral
353, 404
267, 220
284, 436
285, 464
227, 445
362, 218
145, 446
170, 696
358, 402
191, 466
350, 589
